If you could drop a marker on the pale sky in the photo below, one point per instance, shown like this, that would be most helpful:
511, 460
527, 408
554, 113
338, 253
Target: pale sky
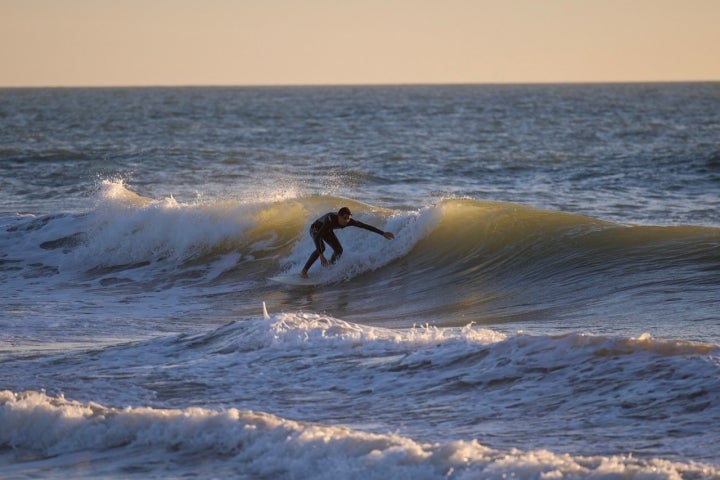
321, 42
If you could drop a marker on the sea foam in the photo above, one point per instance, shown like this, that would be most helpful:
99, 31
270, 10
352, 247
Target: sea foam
255, 444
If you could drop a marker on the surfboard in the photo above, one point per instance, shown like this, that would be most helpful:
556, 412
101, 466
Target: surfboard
294, 279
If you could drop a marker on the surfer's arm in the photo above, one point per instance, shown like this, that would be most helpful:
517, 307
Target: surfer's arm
359, 224
318, 243
319, 234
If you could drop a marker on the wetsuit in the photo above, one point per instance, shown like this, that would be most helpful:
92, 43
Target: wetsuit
321, 232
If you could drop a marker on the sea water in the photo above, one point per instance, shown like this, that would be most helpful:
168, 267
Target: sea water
549, 307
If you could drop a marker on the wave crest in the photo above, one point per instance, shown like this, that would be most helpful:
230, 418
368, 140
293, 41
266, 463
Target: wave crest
459, 259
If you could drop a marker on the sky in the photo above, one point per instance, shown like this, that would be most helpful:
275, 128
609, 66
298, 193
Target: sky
328, 42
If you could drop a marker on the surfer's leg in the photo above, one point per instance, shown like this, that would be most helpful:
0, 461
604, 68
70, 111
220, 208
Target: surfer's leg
333, 241
312, 259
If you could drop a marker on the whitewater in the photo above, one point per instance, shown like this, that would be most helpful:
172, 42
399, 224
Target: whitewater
548, 308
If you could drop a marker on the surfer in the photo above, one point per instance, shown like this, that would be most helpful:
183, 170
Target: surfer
321, 232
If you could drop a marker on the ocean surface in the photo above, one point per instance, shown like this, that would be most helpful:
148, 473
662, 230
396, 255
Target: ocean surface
549, 307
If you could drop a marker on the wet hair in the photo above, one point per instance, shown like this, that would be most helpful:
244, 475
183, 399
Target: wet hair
344, 211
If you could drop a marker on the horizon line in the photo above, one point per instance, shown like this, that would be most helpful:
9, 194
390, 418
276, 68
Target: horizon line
370, 84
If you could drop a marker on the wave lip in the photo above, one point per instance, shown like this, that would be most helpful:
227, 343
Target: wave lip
93, 440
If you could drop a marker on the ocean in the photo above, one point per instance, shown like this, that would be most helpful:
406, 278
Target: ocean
548, 308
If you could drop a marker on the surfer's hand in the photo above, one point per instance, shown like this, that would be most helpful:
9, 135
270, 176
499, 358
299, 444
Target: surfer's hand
324, 260
388, 235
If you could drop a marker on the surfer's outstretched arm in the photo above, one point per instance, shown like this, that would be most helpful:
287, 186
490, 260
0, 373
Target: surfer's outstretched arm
356, 223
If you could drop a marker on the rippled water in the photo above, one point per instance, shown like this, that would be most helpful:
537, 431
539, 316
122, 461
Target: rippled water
548, 306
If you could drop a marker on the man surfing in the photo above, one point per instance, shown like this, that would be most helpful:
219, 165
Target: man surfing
321, 232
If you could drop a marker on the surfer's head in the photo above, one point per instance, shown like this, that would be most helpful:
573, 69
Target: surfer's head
344, 216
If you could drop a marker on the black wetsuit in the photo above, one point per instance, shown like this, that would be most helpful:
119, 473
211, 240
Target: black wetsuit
322, 231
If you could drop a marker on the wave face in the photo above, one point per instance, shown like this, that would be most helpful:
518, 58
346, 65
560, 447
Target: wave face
423, 384
453, 262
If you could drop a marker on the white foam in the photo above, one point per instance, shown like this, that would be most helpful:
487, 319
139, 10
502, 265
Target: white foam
179, 441
309, 327
126, 228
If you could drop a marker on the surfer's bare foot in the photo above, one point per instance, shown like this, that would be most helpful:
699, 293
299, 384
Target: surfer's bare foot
303, 274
